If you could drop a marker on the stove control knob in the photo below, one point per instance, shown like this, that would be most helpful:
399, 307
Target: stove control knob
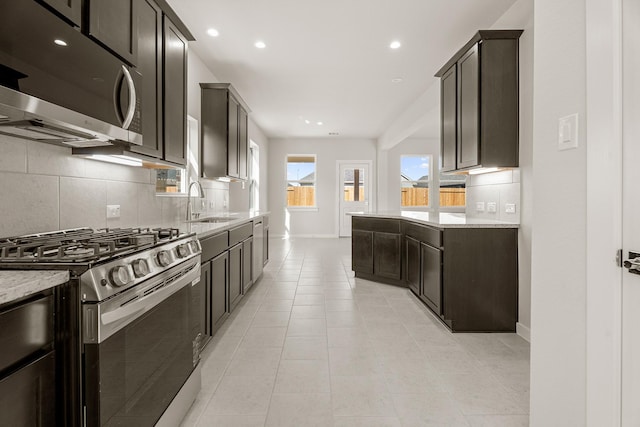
164, 259
182, 250
120, 276
194, 247
140, 267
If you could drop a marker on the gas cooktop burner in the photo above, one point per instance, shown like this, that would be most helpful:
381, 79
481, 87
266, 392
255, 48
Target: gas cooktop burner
82, 245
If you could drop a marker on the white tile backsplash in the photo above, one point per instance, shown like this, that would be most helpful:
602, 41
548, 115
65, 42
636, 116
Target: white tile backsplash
124, 194
500, 187
49, 159
28, 203
45, 188
149, 206
83, 203
14, 154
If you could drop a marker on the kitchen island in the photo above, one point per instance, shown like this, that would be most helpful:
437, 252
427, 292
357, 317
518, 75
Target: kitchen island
465, 270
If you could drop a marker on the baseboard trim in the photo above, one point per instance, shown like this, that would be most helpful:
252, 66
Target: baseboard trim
523, 331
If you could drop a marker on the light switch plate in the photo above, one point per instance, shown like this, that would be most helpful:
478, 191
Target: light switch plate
568, 132
113, 211
510, 208
492, 207
479, 206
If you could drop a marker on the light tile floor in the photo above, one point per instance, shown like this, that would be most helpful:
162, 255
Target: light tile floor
310, 345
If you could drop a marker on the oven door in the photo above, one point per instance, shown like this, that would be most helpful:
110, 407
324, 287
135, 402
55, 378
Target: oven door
144, 348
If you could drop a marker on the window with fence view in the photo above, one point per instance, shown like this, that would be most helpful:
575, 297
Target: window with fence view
301, 180
416, 180
453, 191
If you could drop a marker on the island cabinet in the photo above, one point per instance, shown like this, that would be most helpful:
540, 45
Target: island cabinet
480, 279
224, 146
467, 276
423, 263
479, 103
376, 249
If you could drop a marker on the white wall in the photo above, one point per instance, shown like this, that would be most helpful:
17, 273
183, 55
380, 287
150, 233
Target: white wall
558, 290
389, 178
321, 222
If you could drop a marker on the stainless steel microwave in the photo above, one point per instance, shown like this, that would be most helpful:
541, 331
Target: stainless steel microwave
59, 86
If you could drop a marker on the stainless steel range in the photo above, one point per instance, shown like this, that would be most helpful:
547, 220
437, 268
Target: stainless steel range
138, 317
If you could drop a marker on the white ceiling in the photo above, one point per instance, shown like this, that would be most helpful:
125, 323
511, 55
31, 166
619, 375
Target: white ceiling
330, 60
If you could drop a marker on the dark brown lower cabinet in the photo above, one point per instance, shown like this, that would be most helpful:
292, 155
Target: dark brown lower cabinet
235, 275
387, 255
480, 279
247, 264
219, 285
362, 251
377, 247
431, 272
467, 276
28, 396
412, 264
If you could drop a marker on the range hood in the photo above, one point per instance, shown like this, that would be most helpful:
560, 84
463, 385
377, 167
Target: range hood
27, 117
122, 154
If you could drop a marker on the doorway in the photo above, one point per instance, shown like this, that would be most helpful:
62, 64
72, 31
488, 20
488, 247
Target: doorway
354, 192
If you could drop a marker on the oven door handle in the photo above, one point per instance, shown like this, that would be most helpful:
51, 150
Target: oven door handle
143, 304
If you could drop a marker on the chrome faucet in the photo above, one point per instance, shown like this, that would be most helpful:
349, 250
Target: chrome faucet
201, 195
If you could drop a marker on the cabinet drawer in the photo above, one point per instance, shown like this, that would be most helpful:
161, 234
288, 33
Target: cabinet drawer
429, 235
376, 224
238, 234
25, 329
265, 220
212, 246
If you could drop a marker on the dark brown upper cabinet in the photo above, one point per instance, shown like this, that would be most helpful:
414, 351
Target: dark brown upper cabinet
162, 61
175, 94
113, 23
479, 103
150, 66
69, 9
224, 145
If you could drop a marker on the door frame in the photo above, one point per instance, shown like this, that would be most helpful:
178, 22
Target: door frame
339, 189
604, 71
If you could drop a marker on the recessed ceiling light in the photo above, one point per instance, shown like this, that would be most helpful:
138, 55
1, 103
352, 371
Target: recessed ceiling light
397, 80
213, 32
260, 44
319, 123
307, 121
60, 42
395, 45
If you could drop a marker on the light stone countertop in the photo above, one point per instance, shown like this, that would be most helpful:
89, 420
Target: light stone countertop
440, 219
206, 229
15, 284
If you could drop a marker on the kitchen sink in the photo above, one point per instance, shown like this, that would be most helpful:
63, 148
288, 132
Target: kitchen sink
215, 219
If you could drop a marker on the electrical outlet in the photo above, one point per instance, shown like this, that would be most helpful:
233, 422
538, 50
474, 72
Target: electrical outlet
492, 207
510, 208
211, 205
113, 211
479, 206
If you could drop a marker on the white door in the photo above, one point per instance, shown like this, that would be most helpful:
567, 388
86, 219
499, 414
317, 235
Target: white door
631, 215
354, 192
